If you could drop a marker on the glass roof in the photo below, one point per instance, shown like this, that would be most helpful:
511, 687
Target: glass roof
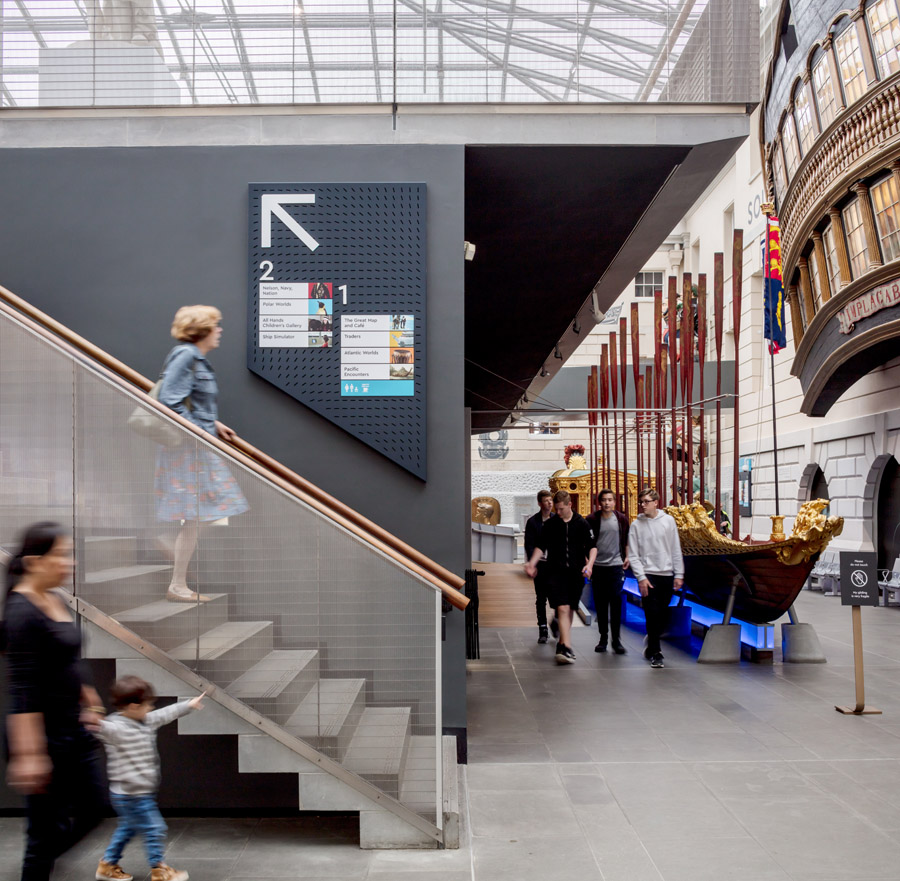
67, 52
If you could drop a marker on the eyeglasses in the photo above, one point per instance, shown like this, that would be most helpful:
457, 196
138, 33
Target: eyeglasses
647, 501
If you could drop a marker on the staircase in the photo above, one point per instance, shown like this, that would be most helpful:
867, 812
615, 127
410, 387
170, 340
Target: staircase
291, 687
321, 638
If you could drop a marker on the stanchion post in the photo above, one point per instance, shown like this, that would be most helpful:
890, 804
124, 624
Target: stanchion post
859, 587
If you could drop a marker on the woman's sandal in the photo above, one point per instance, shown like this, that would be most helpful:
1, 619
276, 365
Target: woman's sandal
181, 593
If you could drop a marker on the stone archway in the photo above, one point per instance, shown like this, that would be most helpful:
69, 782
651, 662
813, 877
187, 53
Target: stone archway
813, 484
881, 508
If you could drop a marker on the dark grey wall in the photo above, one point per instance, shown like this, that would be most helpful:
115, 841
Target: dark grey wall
112, 241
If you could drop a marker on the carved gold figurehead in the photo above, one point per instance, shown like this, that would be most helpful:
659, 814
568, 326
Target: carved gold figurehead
811, 533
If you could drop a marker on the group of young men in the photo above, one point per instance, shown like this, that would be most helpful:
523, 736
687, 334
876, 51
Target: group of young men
562, 549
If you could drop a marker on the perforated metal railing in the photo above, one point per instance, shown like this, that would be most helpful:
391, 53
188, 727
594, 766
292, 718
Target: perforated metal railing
306, 623
61, 53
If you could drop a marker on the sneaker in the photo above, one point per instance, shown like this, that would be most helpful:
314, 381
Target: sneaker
600, 647
111, 870
657, 661
618, 648
554, 629
542, 634
564, 655
179, 593
162, 872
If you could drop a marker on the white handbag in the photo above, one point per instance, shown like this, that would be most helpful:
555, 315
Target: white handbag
147, 423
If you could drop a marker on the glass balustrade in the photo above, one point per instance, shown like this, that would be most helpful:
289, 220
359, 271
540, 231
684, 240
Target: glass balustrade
305, 623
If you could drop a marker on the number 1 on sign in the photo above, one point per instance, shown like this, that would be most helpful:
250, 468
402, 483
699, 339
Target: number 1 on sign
343, 289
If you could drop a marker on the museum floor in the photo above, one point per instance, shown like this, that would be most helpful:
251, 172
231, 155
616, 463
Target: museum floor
611, 771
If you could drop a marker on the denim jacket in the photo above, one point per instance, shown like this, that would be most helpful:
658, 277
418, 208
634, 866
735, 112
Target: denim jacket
187, 373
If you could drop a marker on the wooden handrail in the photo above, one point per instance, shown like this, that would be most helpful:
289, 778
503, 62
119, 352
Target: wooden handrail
371, 533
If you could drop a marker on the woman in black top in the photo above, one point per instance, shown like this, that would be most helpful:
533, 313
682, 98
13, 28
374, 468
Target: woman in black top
53, 760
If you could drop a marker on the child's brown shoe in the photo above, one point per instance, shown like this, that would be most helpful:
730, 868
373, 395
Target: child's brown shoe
162, 872
112, 871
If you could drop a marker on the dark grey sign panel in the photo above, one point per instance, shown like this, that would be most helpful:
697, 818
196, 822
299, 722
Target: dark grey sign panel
859, 578
336, 306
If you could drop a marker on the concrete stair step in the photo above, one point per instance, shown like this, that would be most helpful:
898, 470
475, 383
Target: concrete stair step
379, 747
327, 717
278, 683
418, 789
167, 625
108, 552
226, 652
125, 587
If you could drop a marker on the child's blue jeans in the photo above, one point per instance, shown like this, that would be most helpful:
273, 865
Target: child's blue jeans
138, 815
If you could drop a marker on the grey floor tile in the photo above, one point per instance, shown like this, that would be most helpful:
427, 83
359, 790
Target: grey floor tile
511, 776
213, 837
724, 859
422, 875
539, 860
584, 789
625, 858
499, 751
506, 815
301, 859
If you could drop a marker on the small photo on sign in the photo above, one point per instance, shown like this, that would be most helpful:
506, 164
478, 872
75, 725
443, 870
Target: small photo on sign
401, 371
402, 322
320, 323
401, 339
401, 356
320, 290
320, 341
320, 307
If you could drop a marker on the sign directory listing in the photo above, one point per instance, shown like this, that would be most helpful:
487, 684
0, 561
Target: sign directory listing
859, 578
377, 355
295, 315
336, 306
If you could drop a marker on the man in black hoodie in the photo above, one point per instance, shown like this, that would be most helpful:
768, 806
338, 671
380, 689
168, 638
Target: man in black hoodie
606, 566
567, 541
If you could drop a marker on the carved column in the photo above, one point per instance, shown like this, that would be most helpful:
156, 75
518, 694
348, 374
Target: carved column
859, 22
840, 245
873, 249
822, 266
806, 288
796, 319
828, 47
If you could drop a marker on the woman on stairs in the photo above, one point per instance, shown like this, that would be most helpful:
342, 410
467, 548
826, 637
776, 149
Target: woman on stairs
193, 485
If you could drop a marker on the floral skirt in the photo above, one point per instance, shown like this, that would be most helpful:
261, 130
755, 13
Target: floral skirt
195, 484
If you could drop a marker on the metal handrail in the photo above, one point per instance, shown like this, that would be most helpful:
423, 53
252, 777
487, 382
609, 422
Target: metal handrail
266, 726
245, 453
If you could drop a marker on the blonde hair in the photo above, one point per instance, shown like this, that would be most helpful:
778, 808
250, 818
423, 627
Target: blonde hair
193, 323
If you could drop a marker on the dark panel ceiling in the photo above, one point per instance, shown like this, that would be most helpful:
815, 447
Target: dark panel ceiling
546, 223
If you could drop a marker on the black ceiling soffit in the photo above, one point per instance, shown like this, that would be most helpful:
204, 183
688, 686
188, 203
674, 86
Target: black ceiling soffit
546, 223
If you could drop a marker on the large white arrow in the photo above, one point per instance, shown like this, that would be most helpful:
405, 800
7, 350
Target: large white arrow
272, 204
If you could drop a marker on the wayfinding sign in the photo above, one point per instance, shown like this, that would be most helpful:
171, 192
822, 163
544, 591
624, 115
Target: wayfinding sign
859, 578
336, 306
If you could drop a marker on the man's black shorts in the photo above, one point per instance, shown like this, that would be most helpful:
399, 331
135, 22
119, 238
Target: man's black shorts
564, 588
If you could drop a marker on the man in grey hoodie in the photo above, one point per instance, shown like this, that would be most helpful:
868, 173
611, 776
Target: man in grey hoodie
654, 551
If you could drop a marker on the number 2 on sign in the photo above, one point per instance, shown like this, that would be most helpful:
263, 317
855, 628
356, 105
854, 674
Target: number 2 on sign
266, 266
343, 289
